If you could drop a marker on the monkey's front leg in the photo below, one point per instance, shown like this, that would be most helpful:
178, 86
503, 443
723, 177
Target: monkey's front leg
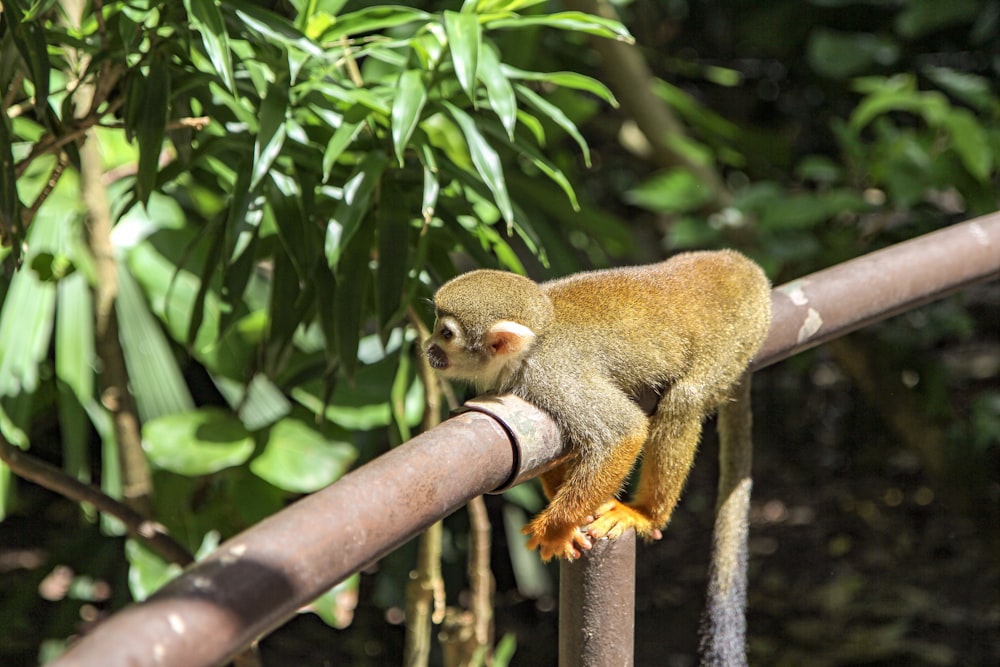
588, 481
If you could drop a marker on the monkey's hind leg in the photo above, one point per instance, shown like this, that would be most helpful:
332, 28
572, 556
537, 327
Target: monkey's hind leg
587, 482
668, 453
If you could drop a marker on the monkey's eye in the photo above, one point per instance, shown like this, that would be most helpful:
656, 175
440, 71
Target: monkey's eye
447, 333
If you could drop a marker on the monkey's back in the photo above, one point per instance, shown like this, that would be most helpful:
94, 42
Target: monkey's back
699, 316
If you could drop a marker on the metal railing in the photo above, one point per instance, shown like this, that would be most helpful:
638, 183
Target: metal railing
258, 579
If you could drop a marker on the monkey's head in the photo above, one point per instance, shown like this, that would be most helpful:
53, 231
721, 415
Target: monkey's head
486, 324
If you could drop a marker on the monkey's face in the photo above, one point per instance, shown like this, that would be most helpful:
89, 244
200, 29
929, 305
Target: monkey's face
485, 360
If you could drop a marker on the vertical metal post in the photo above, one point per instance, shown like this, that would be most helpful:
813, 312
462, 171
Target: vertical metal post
597, 606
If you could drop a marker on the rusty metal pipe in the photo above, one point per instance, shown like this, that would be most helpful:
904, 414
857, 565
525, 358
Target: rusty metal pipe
259, 578
871, 288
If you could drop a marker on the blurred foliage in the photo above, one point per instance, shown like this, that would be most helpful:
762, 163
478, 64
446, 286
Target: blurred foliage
287, 179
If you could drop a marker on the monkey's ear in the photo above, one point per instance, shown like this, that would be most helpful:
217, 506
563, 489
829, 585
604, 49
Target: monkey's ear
506, 338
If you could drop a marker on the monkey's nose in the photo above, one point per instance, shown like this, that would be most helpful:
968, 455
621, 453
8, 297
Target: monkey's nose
437, 357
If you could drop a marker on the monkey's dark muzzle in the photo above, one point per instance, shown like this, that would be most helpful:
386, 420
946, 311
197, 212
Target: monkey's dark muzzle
437, 358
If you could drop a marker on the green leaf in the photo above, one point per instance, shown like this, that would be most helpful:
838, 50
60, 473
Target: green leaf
674, 191
408, 103
147, 571
498, 89
923, 17
393, 230
970, 88
151, 123
373, 19
556, 115
342, 137
839, 55
299, 459
10, 204
432, 187
206, 18
352, 208
197, 442
572, 21
353, 278
465, 39
29, 36
266, 24
971, 142
271, 133
564, 79
486, 161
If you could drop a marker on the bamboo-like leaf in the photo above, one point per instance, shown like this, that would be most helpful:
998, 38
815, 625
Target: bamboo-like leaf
156, 379
75, 356
10, 204
353, 278
572, 21
408, 103
151, 124
373, 19
465, 37
352, 209
556, 115
277, 28
206, 18
29, 37
271, 132
432, 187
393, 230
490, 6
564, 79
342, 137
498, 89
486, 160
545, 166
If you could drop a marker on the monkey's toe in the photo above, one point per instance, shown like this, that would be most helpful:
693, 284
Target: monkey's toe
615, 518
556, 541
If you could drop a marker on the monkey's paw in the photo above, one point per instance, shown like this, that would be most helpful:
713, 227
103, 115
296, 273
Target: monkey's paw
555, 540
614, 518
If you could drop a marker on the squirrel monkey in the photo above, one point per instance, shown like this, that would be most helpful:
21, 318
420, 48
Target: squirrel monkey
585, 348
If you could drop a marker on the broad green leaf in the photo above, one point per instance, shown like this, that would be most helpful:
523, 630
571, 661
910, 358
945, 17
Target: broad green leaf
572, 21
839, 55
432, 187
486, 160
498, 89
336, 606
971, 142
490, 6
407, 105
151, 123
260, 403
29, 37
970, 88
74, 363
352, 208
465, 39
556, 115
271, 132
564, 79
299, 459
206, 18
197, 442
373, 19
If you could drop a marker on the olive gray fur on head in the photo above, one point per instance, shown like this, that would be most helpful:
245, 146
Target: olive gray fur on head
481, 298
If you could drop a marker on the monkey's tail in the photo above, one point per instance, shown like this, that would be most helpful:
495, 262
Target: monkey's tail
723, 625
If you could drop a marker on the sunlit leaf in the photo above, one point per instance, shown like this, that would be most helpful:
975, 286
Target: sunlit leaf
565, 79
277, 28
556, 115
206, 18
271, 133
572, 21
298, 458
498, 89
971, 142
465, 40
197, 442
486, 160
411, 95
373, 19
354, 205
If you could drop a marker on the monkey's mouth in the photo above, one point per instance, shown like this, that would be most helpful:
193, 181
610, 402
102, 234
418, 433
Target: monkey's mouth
437, 358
